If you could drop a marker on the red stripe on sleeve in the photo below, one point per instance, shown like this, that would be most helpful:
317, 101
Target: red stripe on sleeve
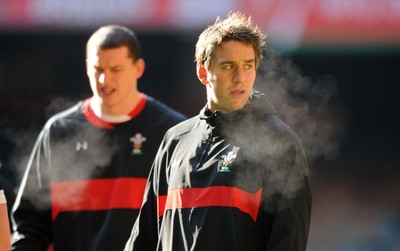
161, 205
100, 194
217, 196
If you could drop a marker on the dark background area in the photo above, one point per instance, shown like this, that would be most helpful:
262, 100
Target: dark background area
356, 192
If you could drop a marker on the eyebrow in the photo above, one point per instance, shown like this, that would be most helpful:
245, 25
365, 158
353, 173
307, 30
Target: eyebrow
232, 62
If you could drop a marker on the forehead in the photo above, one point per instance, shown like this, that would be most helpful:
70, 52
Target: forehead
233, 50
112, 54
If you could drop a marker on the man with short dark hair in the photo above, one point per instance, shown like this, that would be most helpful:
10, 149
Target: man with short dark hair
85, 179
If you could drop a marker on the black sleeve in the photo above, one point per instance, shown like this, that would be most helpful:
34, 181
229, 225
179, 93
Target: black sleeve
31, 215
292, 205
144, 232
144, 235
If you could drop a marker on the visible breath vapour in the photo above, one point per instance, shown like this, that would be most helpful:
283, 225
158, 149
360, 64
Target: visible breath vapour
303, 103
63, 154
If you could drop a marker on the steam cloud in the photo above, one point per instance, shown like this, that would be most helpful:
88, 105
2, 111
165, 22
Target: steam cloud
303, 103
23, 142
306, 106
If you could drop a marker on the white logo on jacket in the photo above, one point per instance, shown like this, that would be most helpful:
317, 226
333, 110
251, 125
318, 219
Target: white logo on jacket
227, 160
81, 145
137, 141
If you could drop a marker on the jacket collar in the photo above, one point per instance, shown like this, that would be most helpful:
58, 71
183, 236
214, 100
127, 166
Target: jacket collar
257, 107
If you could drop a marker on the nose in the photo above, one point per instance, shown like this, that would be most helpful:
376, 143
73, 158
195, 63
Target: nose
103, 78
240, 75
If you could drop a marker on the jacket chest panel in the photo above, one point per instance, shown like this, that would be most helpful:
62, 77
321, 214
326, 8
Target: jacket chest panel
214, 162
97, 154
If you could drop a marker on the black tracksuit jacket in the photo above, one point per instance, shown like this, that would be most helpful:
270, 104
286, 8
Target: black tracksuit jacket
227, 182
85, 179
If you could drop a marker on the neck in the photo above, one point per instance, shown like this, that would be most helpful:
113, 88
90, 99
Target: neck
116, 110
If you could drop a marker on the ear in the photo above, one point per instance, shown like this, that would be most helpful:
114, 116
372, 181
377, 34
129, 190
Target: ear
202, 74
87, 67
140, 65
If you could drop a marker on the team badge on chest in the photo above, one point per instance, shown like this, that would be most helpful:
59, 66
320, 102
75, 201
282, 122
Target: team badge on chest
227, 159
137, 145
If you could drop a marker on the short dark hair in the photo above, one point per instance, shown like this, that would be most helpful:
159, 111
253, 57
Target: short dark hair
114, 36
235, 26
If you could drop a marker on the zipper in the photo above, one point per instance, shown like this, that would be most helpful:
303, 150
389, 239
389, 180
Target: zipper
208, 143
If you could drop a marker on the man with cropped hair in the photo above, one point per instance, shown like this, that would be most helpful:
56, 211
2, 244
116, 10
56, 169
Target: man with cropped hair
84, 182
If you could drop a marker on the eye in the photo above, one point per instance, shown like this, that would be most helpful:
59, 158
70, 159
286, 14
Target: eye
249, 66
227, 66
97, 69
117, 69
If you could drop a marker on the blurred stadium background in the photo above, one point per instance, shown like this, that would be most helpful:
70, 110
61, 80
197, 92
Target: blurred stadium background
345, 55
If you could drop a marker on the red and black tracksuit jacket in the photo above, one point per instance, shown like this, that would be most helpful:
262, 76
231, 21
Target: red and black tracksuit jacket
85, 178
231, 182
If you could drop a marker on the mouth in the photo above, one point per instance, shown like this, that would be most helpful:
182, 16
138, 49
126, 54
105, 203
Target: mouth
107, 91
238, 93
